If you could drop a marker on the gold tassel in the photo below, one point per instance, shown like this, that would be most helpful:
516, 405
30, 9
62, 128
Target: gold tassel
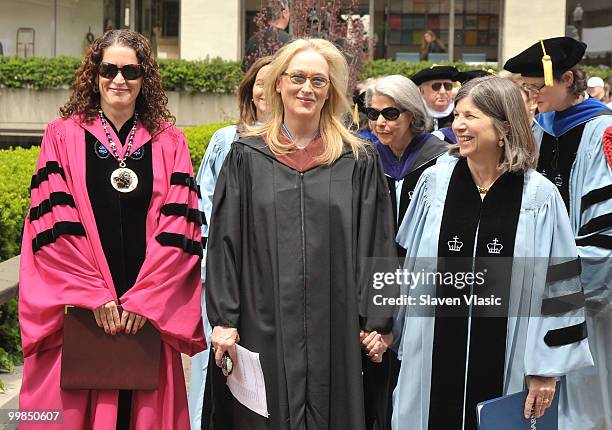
356, 115
548, 66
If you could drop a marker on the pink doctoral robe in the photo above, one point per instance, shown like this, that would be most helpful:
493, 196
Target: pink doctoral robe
62, 262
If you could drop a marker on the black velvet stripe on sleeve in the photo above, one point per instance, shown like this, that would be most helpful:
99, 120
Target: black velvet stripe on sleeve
55, 199
181, 209
566, 335
559, 272
595, 196
598, 240
61, 228
596, 224
181, 178
43, 173
563, 304
180, 241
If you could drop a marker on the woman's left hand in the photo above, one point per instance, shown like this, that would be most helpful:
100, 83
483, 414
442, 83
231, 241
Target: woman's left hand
132, 322
375, 344
541, 394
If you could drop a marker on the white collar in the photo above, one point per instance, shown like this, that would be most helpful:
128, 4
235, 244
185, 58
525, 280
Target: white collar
437, 114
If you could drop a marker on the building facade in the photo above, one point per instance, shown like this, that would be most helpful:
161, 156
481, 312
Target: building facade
491, 30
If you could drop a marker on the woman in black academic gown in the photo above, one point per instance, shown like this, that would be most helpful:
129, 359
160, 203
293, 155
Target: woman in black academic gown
299, 207
399, 119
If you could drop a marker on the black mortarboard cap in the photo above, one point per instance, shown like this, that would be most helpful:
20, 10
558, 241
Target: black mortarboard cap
564, 53
468, 75
435, 72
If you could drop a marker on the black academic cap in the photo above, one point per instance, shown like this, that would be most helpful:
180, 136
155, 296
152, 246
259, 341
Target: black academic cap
564, 52
468, 75
435, 72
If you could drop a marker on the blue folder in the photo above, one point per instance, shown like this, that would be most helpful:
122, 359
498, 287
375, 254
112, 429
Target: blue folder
506, 413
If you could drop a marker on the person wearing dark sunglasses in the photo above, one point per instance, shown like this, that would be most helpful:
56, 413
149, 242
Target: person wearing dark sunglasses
436, 85
399, 120
114, 221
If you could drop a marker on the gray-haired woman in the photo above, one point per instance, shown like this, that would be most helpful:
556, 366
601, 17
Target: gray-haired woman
487, 213
399, 119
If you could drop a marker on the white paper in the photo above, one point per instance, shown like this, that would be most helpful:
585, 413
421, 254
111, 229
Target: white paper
247, 381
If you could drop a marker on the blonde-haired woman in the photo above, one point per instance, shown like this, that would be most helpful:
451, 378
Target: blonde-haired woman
488, 213
299, 207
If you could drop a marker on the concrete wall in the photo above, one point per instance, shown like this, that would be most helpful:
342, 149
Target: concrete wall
210, 28
524, 23
27, 112
74, 19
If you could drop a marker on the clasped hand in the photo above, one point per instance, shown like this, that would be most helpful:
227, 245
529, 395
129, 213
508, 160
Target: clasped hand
375, 344
107, 317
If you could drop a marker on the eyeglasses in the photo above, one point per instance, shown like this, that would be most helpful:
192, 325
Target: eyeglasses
389, 113
437, 85
533, 88
300, 79
129, 71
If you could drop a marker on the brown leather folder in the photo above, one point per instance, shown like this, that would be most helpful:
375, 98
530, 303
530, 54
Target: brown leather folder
92, 359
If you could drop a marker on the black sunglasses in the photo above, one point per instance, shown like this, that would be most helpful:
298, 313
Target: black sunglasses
437, 85
389, 113
129, 71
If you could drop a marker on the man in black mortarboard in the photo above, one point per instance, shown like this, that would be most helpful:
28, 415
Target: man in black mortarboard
569, 130
436, 85
446, 132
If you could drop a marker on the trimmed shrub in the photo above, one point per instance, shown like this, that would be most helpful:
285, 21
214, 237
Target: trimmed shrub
198, 138
16, 169
39, 73
210, 75
374, 68
214, 76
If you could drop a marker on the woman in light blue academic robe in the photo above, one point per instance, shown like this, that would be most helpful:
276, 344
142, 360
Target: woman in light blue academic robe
487, 212
252, 109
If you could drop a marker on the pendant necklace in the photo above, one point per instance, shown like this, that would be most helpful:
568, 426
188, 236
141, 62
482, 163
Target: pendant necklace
485, 190
122, 179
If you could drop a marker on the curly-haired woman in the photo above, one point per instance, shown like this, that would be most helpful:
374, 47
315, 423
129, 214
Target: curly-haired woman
113, 221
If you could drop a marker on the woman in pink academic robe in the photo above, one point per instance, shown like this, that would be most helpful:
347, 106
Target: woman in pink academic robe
114, 220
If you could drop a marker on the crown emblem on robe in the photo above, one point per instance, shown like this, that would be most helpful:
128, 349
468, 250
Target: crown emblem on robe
454, 245
494, 247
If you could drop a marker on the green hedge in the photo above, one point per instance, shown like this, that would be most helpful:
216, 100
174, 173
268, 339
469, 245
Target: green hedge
214, 75
198, 138
376, 68
16, 169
